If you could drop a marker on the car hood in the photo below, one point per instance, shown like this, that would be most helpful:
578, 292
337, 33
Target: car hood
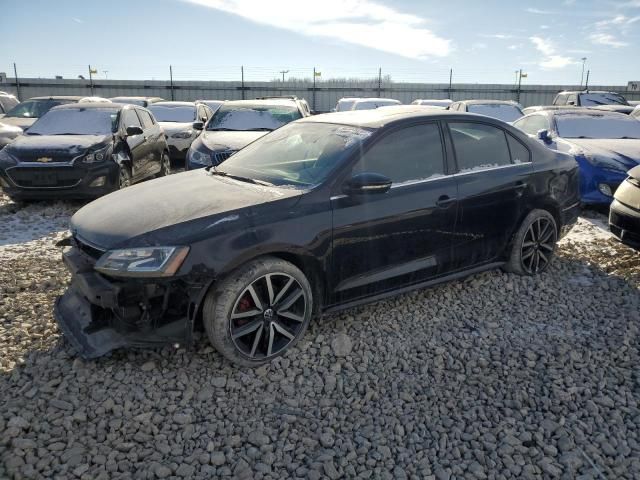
175, 127
229, 140
618, 153
66, 145
635, 172
19, 121
172, 210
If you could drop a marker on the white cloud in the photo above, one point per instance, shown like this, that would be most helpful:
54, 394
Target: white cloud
77, 20
514, 47
500, 36
606, 39
544, 27
360, 22
551, 59
537, 11
620, 20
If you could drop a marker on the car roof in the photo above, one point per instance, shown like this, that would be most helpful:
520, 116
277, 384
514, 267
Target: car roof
92, 105
261, 103
173, 104
485, 102
379, 117
137, 98
59, 97
586, 91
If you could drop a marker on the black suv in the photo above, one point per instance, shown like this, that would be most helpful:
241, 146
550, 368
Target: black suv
84, 150
601, 100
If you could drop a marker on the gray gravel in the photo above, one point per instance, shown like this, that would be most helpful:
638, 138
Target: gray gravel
497, 376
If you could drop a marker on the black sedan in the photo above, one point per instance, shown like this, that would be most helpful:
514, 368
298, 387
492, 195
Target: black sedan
324, 213
176, 119
84, 150
624, 215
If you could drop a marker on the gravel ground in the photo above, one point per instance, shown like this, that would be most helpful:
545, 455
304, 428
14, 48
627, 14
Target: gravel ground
497, 376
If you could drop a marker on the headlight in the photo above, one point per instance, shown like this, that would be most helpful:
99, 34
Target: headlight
142, 262
97, 155
184, 134
199, 157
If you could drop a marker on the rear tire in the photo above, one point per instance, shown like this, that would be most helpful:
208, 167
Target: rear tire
259, 311
534, 244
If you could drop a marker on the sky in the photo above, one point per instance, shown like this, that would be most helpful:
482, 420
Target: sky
484, 41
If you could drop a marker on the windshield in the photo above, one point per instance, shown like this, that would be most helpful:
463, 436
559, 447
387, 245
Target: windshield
252, 117
166, 113
298, 154
76, 121
592, 99
593, 126
34, 108
501, 111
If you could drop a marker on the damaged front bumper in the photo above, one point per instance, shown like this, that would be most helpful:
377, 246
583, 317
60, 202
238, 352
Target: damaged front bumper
98, 314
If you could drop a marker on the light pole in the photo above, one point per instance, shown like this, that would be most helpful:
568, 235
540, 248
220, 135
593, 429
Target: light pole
283, 72
105, 73
584, 59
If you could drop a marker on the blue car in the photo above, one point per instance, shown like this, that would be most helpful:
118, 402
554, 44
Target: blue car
606, 146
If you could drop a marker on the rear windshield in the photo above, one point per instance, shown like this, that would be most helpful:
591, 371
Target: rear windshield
252, 117
501, 111
76, 121
592, 99
593, 126
35, 108
166, 113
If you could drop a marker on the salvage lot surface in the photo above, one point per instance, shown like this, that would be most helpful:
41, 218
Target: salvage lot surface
497, 376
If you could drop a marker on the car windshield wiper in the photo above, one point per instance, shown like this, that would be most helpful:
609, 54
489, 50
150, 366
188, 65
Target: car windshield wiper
31, 133
220, 129
261, 129
214, 171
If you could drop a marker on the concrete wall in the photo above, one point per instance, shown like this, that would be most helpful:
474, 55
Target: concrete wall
327, 93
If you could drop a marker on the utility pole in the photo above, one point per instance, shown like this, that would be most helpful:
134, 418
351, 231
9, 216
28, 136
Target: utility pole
283, 72
91, 79
242, 76
313, 103
171, 81
379, 82
450, 79
106, 77
584, 59
586, 84
519, 84
15, 72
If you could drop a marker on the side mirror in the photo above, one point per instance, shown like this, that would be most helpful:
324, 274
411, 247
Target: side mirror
133, 130
544, 136
571, 102
367, 183
198, 125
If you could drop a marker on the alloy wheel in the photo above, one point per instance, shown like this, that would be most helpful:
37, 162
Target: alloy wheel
538, 245
268, 315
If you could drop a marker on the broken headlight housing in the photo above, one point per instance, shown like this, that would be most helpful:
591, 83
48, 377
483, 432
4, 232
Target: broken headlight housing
142, 262
97, 155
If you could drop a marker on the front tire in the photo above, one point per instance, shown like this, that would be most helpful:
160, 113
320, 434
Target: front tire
165, 166
258, 311
534, 244
124, 176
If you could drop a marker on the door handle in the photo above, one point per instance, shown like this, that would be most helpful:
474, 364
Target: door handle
444, 201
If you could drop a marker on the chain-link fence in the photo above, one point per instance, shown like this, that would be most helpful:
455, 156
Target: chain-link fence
320, 87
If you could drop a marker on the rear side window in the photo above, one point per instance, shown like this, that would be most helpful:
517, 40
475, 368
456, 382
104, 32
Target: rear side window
479, 146
130, 119
146, 119
519, 153
410, 154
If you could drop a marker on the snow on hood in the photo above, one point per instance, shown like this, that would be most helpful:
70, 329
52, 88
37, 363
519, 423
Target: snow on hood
619, 153
174, 127
56, 144
19, 121
229, 140
165, 206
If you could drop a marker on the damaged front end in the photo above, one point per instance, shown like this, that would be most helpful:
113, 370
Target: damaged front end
99, 313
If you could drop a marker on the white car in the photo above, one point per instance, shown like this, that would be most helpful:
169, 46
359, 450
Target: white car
372, 103
94, 100
441, 103
345, 104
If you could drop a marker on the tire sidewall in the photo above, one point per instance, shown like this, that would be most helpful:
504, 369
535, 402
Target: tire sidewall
123, 167
223, 295
515, 263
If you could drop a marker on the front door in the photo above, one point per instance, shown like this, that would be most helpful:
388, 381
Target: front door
138, 145
404, 236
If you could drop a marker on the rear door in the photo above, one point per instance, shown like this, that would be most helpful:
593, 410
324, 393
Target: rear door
404, 236
138, 145
492, 187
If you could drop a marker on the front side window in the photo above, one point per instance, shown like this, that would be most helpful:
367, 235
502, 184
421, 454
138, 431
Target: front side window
76, 121
410, 154
560, 100
130, 119
572, 100
145, 117
532, 124
252, 117
479, 146
298, 154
